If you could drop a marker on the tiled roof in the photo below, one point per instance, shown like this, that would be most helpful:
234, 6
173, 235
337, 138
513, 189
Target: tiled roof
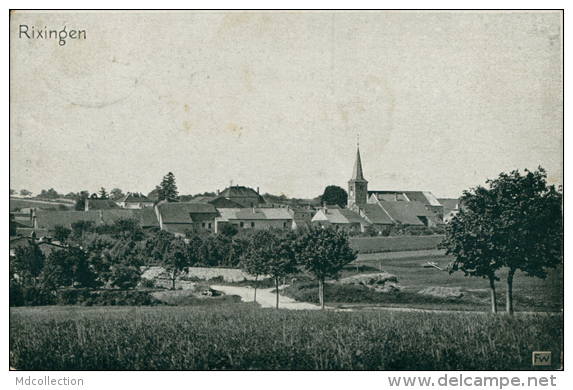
182, 212
352, 217
376, 214
257, 214
405, 213
50, 219
101, 204
241, 192
224, 203
202, 199
249, 214
132, 197
449, 204
424, 197
276, 213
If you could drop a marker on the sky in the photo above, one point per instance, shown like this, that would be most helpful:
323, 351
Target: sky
441, 101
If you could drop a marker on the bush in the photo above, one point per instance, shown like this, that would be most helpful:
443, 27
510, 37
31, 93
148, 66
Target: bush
147, 283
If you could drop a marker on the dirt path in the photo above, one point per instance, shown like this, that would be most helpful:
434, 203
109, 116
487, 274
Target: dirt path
265, 297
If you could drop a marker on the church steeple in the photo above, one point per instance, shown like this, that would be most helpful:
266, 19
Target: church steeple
357, 185
357, 174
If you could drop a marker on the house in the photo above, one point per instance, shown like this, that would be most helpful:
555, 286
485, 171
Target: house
219, 202
134, 200
430, 202
451, 208
45, 245
255, 218
48, 220
341, 218
246, 197
301, 217
99, 204
178, 218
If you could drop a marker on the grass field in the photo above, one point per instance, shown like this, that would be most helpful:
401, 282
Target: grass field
395, 244
18, 204
243, 336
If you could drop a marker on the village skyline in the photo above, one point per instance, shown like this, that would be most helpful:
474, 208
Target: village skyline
442, 101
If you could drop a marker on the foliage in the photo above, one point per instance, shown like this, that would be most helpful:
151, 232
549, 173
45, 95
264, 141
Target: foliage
103, 194
269, 254
13, 192
50, 194
172, 253
228, 230
61, 233
125, 277
168, 190
335, 195
25, 192
516, 223
323, 253
240, 337
116, 194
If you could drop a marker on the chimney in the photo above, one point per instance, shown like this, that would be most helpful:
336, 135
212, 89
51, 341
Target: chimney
257, 190
217, 192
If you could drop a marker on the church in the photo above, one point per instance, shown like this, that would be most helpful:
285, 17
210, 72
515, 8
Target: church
382, 209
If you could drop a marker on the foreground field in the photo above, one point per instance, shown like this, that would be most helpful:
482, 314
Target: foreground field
242, 336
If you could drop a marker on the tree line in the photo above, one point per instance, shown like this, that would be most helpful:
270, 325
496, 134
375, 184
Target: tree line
111, 256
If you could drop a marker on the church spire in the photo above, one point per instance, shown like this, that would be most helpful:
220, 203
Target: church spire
357, 174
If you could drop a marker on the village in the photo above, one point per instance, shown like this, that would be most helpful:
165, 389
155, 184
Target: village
374, 213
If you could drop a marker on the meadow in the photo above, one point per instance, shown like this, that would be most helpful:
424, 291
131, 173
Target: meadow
395, 244
245, 337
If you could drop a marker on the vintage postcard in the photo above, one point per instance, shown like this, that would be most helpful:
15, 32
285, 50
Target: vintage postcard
287, 190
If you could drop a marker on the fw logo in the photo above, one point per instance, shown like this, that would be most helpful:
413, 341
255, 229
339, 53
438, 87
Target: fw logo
541, 358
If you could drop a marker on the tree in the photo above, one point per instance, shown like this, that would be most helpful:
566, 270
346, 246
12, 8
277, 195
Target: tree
253, 262
12, 192
154, 194
270, 254
168, 190
50, 194
516, 223
334, 195
169, 252
61, 233
323, 253
103, 194
25, 193
116, 194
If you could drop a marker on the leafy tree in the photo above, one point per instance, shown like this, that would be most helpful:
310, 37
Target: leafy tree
154, 194
12, 192
516, 223
323, 253
254, 259
93, 196
278, 256
169, 252
28, 263
124, 276
103, 194
61, 233
334, 195
228, 230
50, 194
25, 192
168, 190
116, 194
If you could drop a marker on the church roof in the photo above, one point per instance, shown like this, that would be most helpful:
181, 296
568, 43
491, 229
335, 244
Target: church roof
357, 174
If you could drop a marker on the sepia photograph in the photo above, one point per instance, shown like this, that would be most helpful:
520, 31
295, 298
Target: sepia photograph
287, 190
